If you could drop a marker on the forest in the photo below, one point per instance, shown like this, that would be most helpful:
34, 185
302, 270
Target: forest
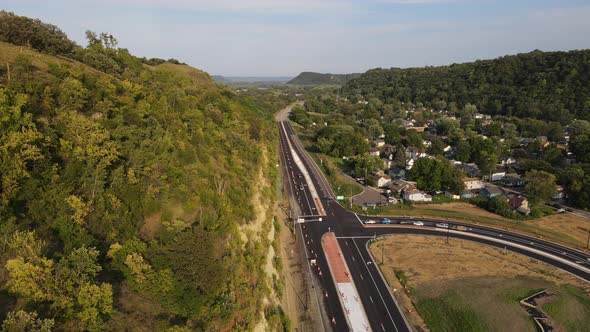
550, 86
126, 188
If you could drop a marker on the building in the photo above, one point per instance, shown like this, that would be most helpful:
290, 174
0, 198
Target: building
512, 180
472, 183
413, 152
417, 196
452, 195
382, 180
374, 152
519, 203
397, 173
490, 191
400, 186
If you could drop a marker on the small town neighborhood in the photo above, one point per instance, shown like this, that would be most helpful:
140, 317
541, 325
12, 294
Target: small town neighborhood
502, 181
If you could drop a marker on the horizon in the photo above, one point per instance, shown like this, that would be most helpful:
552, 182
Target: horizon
264, 38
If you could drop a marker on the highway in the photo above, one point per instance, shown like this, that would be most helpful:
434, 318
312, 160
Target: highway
353, 236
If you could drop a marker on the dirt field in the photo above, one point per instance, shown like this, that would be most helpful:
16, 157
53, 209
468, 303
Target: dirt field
481, 285
568, 229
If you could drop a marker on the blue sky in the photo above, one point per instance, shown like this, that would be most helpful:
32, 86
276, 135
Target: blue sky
285, 37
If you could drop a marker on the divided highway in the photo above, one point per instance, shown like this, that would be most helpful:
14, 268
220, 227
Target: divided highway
353, 236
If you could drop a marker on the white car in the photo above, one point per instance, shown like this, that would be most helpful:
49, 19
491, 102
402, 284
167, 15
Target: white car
418, 223
370, 221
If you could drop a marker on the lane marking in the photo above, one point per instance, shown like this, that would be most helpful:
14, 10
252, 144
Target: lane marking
374, 283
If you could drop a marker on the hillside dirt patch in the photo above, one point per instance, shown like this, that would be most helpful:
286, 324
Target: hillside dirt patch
484, 282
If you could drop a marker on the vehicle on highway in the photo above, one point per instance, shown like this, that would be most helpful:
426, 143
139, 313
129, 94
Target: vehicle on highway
441, 225
370, 221
386, 221
418, 223
405, 222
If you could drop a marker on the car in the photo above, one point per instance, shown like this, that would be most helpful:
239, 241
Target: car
386, 221
370, 221
442, 225
405, 222
561, 211
418, 223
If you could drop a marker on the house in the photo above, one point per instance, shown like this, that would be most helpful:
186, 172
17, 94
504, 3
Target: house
519, 203
452, 195
490, 191
374, 152
379, 143
559, 194
413, 152
387, 163
417, 196
382, 180
496, 176
508, 161
416, 129
512, 180
467, 194
470, 169
472, 183
397, 172
399, 186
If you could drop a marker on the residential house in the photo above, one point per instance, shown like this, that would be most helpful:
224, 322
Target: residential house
417, 196
387, 163
379, 143
374, 152
467, 194
507, 161
452, 195
413, 152
497, 175
519, 203
470, 169
399, 186
490, 191
512, 180
397, 173
559, 193
472, 183
382, 180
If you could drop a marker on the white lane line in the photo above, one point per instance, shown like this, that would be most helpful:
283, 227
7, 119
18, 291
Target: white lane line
371, 298
527, 242
382, 327
311, 276
359, 219
374, 283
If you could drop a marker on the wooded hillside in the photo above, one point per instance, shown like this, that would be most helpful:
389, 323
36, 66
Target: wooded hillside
544, 85
127, 187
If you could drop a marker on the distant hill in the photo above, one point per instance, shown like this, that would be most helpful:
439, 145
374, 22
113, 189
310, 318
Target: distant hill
311, 78
545, 85
250, 79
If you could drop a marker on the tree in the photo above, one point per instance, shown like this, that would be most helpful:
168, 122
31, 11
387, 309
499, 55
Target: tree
23, 321
463, 151
539, 186
392, 135
365, 164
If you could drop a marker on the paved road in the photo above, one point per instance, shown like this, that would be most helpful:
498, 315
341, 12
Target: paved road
353, 236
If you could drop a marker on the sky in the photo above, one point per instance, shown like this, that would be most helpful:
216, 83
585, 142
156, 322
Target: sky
286, 37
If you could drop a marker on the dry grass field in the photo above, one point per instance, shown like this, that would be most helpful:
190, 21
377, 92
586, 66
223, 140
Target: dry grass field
463, 285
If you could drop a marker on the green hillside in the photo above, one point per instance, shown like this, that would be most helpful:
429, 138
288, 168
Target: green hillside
544, 85
134, 193
310, 78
